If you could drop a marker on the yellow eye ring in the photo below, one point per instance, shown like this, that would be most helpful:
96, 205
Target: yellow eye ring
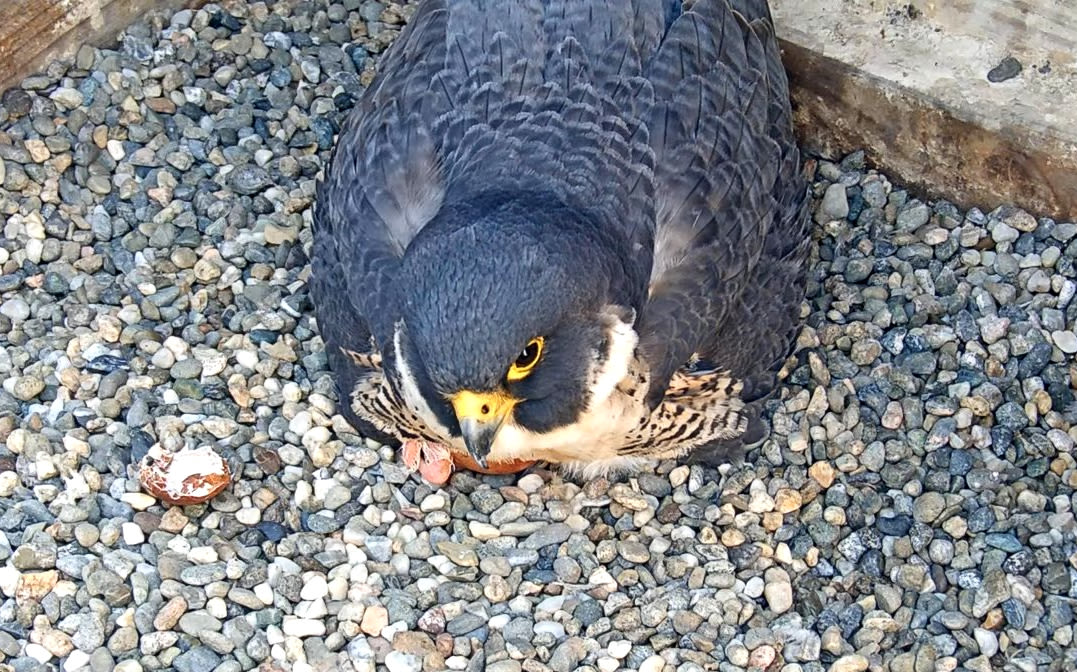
527, 360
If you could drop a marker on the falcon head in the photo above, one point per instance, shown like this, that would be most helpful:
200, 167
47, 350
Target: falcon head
516, 319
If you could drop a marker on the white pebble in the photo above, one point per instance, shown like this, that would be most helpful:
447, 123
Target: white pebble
579, 524
338, 587
34, 249
246, 358
608, 664
132, 534
530, 483
398, 661
303, 627
761, 501
301, 423
67, 97
483, 531
620, 648
737, 653
16, 309
303, 492
38, 653
9, 580
753, 588
213, 362
987, 641
76, 487
163, 359
316, 437
203, 555
550, 628
433, 502
653, 664
249, 515
115, 150
850, 663
76, 660
679, 476
264, 592
1003, 232
312, 609
1066, 341
389, 631
274, 635
178, 544
194, 94
46, 468
322, 486
9, 480
315, 588
778, 591
263, 157
217, 608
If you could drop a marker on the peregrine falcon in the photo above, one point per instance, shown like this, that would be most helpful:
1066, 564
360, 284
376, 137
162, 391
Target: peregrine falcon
569, 231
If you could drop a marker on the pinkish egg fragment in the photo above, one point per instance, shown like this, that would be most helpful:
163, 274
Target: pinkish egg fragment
184, 477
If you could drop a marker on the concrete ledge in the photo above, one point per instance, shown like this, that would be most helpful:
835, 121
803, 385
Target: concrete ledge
910, 86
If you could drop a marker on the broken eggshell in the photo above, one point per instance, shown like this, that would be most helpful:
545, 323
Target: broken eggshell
185, 476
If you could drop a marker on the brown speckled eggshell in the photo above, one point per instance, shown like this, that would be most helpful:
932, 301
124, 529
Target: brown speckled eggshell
214, 474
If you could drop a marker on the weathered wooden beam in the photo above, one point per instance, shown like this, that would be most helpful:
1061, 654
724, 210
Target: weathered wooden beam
34, 33
911, 89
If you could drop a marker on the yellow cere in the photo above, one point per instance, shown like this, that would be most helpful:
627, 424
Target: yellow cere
527, 360
484, 407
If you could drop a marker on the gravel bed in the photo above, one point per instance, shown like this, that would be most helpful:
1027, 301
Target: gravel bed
912, 511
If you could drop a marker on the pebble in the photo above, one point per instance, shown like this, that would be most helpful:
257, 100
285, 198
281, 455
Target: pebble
913, 216
303, 627
397, 661
132, 534
375, 619
1007, 68
634, 551
778, 591
549, 535
652, 664
835, 204
823, 474
1065, 340
170, 613
26, 388
196, 659
16, 309
850, 663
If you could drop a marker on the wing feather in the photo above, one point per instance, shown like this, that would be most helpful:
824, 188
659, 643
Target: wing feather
730, 200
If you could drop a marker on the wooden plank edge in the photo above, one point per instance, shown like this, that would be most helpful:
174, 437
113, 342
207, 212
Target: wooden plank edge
100, 30
837, 109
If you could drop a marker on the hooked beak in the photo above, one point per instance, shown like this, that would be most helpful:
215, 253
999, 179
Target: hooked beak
480, 417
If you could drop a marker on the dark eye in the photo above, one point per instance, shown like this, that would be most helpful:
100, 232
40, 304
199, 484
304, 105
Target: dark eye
529, 357
526, 361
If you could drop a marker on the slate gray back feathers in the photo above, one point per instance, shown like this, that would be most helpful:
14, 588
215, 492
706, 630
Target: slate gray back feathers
673, 128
